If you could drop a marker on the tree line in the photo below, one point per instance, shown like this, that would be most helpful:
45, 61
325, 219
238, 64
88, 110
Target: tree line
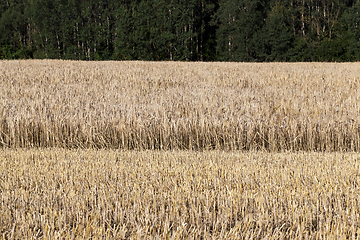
187, 30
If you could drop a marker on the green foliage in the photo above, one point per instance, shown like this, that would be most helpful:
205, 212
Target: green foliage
239, 27
189, 30
330, 50
351, 22
275, 41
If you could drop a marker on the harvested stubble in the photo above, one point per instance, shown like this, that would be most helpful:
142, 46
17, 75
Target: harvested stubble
171, 105
112, 194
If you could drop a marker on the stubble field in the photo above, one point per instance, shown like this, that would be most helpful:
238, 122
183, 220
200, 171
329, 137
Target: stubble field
115, 150
108, 194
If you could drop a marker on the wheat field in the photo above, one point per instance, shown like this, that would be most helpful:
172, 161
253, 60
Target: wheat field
174, 106
170, 150
114, 194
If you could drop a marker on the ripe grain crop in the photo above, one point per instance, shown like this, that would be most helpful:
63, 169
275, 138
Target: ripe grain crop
172, 105
113, 194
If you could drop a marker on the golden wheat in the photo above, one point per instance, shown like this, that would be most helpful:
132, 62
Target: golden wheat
53, 192
171, 105
107, 194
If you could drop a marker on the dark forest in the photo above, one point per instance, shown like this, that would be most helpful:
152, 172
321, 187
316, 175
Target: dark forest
188, 30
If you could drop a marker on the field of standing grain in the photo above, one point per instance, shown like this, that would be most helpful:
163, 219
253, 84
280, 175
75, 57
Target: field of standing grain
175, 106
169, 150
